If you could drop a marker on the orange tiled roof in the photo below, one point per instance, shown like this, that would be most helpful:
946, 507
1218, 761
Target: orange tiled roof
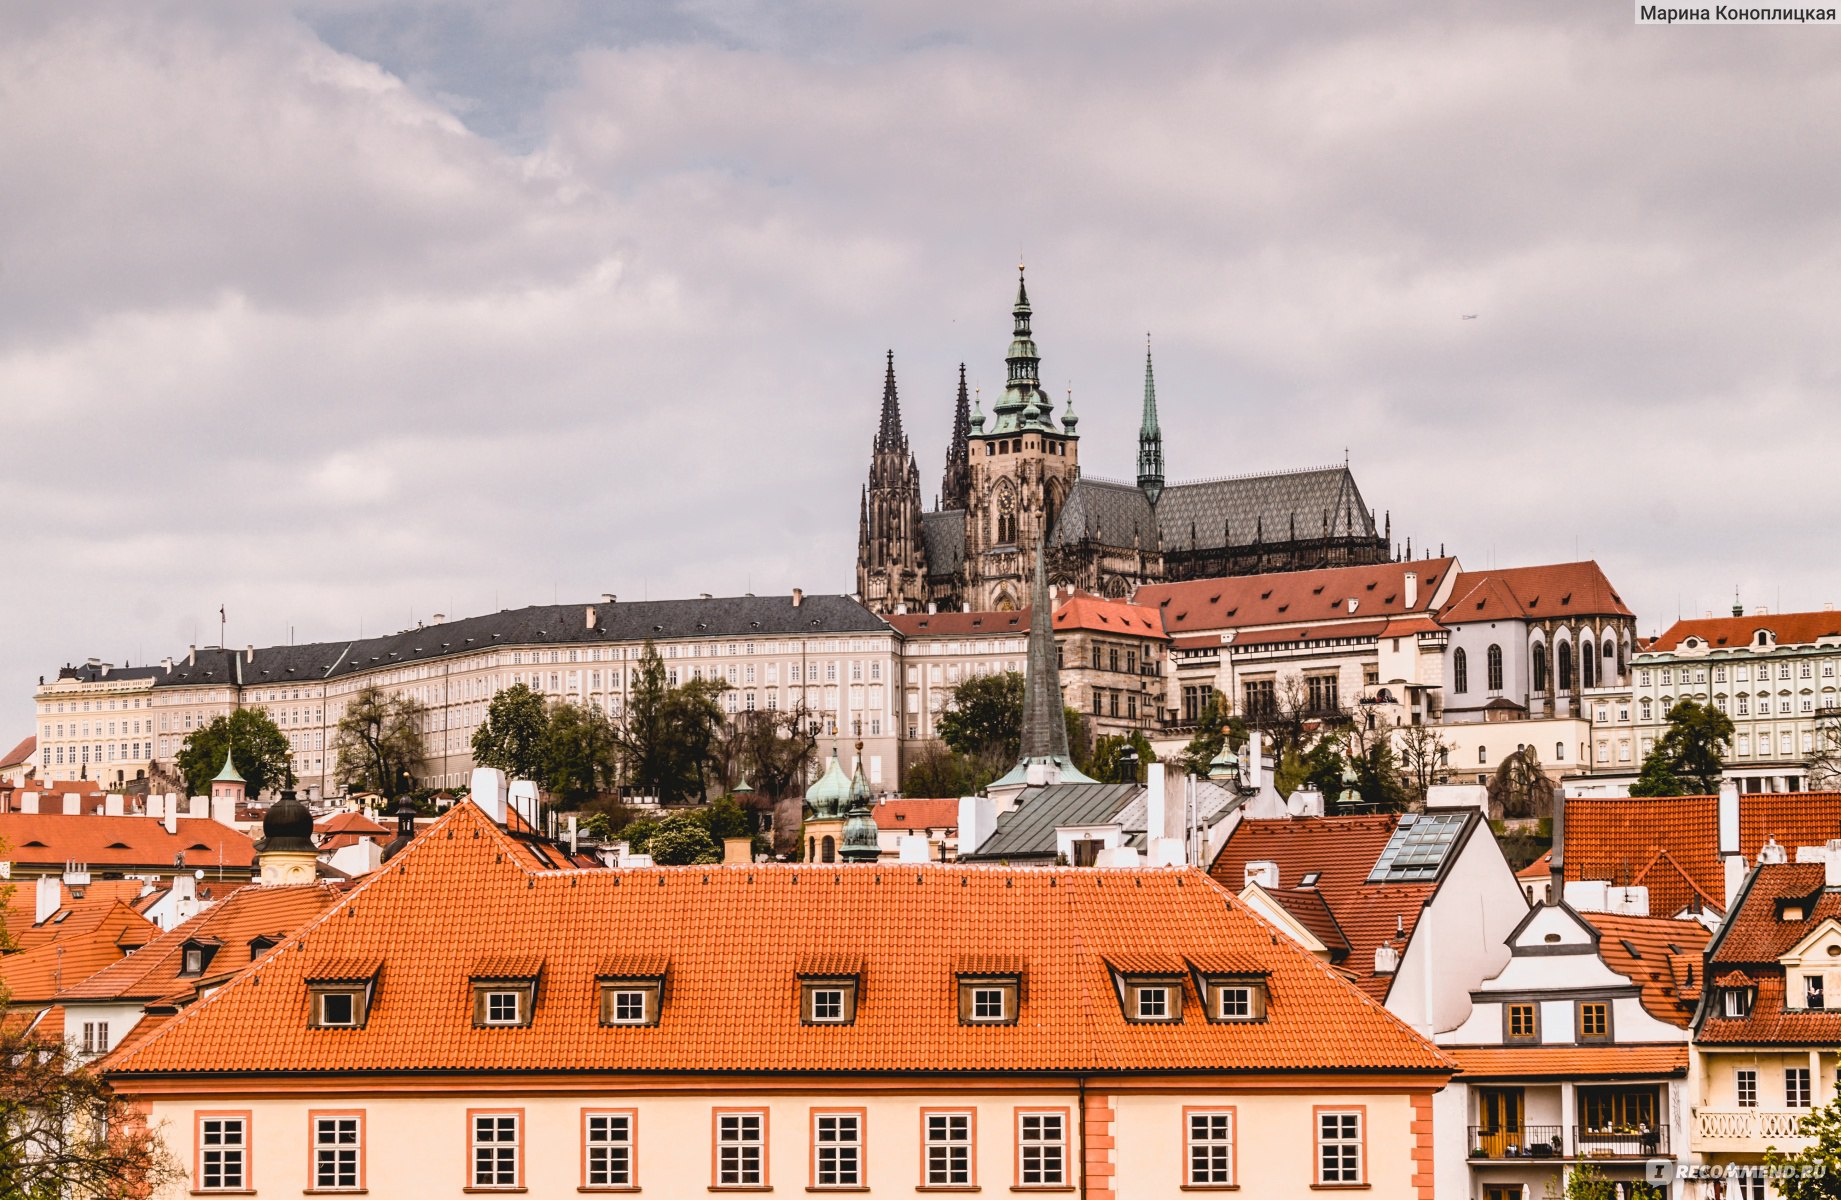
20, 753
1755, 934
735, 938
80, 914
1659, 954
1342, 850
1555, 590
52, 839
1570, 1062
1290, 597
34, 976
960, 624
1540, 868
1771, 1021
235, 921
1089, 612
917, 814
1790, 629
348, 822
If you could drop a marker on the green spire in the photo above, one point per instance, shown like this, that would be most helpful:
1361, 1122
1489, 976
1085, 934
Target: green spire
1022, 406
860, 842
1150, 437
229, 773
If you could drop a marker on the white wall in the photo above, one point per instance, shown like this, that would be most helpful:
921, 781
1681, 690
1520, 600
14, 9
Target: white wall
1459, 941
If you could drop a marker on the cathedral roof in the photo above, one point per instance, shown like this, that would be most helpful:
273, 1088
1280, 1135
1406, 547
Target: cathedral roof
1214, 513
943, 540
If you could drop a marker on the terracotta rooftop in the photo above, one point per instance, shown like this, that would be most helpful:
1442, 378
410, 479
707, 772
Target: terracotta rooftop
1760, 930
731, 941
961, 624
1659, 954
1089, 612
75, 914
1569, 1062
1577, 589
1293, 597
20, 753
1789, 629
49, 840
917, 814
1342, 851
33, 977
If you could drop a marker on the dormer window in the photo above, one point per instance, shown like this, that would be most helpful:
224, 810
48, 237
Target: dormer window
505, 992
1233, 998
1150, 998
339, 993
830, 1001
990, 990
1152, 1002
1812, 991
196, 955
630, 1001
1736, 1002
260, 945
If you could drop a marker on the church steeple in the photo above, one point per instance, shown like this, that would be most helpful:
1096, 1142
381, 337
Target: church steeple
889, 435
956, 487
1150, 436
1044, 757
891, 561
1023, 405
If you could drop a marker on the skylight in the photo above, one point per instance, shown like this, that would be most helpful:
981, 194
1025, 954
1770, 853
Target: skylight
1418, 847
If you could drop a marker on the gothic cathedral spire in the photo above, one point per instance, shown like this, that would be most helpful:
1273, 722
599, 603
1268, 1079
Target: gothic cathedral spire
956, 487
1150, 436
891, 560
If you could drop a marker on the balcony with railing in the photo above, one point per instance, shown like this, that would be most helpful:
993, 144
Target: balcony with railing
1489, 1144
1500, 1145
1623, 1142
1741, 1130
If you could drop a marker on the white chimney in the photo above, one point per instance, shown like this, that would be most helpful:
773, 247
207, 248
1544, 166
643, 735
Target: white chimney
1729, 817
50, 898
608, 598
1386, 958
28, 802
172, 814
76, 875
1157, 806
224, 811
73, 804
1263, 872
249, 652
1354, 604
590, 617
156, 805
913, 848
1831, 876
977, 821
1255, 774
201, 808
798, 597
191, 656
488, 787
113, 805
1412, 590
1770, 854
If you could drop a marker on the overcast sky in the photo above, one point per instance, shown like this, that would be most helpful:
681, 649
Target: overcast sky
343, 314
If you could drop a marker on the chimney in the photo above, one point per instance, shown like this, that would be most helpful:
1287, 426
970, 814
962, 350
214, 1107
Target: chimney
191, 656
932, 607
608, 597
1262, 872
589, 617
437, 618
1353, 604
798, 597
1156, 804
1831, 875
901, 609
1255, 774
913, 848
737, 852
224, 810
1386, 959
1412, 590
73, 804
50, 898
1556, 860
1729, 817
113, 805
1771, 853
167, 662
171, 820
703, 596
249, 652
201, 808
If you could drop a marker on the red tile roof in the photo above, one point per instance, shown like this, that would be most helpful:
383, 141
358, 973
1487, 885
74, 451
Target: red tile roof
1342, 850
1569, 1062
1332, 631
49, 840
733, 939
917, 814
1240, 601
1659, 954
20, 753
1084, 611
74, 915
1746, 951
34, 976
1790, 629
1670, 844
1577, 589
960, 624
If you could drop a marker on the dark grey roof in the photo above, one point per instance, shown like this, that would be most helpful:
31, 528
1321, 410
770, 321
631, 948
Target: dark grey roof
943, 540
547, 624
1216, 512
92, 673
1028, 830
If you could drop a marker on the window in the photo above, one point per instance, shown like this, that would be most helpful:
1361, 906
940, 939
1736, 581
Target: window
1041, 1149
1594, 1021
1153, 1003
741, 1149
1209, 1148
1261, 699
1812, 991
1523, 1022
337, 1008
630, 1002
1460, 670
1321, 690
1745, 1085
497, 1157
95, 1037
1233, 999
503, 1008
989, 999
828, 1001
1339, 1146
1152, 999
1615, 1110
946, 1140
338, 1151
1796, 1087
503, 1003
1494, 664
1735, 1002
223, 1152
607, 1139
837, 1149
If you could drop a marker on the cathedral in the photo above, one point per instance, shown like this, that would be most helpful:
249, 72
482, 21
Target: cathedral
1013, 485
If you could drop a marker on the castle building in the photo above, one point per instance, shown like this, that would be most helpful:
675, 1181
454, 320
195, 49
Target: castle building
1013, 483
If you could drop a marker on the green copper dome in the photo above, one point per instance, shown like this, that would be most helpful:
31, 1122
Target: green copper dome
229, 773
829, 796
860, 844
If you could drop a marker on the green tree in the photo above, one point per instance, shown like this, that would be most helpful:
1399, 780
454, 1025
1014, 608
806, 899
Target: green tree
1104, 764
937, 772
1689, 757
1519, 787
578, 753
64, 1133
511, 736
1370, 753
680, 839
670, 734
259, 747
771, 748
1587, 1182
378, 744
985, 717
1216, 726
1813, 1173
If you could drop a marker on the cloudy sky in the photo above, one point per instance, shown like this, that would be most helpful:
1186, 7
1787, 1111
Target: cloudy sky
343, 314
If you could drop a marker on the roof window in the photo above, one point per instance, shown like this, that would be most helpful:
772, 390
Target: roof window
828, 986
632, 990
990, 990
505, 991
196, 955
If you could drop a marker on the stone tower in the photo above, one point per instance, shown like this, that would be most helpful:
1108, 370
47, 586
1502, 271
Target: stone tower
891, 563
956, 485
1022, 467
1150, 437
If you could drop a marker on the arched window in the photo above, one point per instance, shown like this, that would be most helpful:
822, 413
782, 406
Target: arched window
811, 849
1540, 667
828, 851
1622, 663
1564, 653
1460, 671
1495, 667
1559, 752
1482, 756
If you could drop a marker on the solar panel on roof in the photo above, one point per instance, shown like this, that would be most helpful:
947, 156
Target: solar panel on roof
1418, 847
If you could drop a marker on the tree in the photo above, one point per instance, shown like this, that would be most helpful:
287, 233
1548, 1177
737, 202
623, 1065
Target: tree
1825, 757
668, 736
1587, 1182
511, 736
1519, 787
63, 1133
938, 772
985, 716
578, 752
1370, 754
1689, 756
378, 744
1813, 1173
1216, 726
1425, 760
771, 748
681, 839
263, 757
1104, 764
